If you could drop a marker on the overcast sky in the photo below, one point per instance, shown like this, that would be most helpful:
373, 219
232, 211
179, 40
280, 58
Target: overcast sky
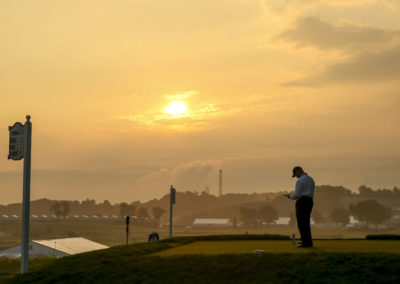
267, 85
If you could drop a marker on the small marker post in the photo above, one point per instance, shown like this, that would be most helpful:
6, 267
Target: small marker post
127, 221
172, 194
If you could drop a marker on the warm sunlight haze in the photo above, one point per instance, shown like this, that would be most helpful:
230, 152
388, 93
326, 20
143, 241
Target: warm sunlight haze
203, 141
129, 97
176, 108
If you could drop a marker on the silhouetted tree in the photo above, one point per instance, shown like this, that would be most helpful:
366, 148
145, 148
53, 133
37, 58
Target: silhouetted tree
131, 210
248, 216
157, 213
88, 205
65, 209
143, 213
61, 209
282, 204
123, 209
126, 210
268, 213
328, 197
106, 206
365, 191
56, 208
340, 215
317, 217
370, 211
396, 191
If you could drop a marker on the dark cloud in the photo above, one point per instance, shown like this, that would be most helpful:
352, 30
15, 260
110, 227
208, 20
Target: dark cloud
312, 31
365, 67
368, 66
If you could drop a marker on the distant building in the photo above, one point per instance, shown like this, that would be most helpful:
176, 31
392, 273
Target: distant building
54, 248
282, 221
199, 222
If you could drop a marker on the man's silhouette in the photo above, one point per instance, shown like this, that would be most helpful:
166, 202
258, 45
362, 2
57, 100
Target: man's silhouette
304, 194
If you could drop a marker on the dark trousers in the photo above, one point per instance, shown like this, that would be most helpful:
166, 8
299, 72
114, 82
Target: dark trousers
304, 206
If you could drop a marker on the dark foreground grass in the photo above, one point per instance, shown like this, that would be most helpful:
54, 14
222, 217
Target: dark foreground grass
132, 264
10, 267
283, 268
48, 270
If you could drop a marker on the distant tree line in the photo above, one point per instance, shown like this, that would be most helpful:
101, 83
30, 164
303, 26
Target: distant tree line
331, 204
368, 211
365, 191
63, 209
266, 214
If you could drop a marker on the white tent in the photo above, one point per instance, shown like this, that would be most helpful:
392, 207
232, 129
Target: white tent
211, 222
55, 248
282, 221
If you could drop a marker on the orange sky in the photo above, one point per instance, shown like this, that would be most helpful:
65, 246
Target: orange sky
266, 85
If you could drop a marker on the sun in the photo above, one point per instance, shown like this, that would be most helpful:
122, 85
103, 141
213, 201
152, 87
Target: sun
176, 108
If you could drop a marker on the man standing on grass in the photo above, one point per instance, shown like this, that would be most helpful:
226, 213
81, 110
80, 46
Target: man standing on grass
304, 194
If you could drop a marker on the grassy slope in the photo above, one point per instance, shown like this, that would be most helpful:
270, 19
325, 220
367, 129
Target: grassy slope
9, 268
132, 264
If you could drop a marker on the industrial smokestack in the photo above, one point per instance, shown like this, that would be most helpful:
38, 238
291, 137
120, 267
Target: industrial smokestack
220, 182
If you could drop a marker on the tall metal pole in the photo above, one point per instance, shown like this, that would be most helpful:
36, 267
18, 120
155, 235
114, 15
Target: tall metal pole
170, 220
26, 195
171, 202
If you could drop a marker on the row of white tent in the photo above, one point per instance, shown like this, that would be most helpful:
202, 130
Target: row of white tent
50, 217
225, 222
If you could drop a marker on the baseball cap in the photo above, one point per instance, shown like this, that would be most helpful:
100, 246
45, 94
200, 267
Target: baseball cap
297, 168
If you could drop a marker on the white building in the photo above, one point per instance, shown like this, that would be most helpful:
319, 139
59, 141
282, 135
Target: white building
54, 248
223, 222
286, 221
282, 221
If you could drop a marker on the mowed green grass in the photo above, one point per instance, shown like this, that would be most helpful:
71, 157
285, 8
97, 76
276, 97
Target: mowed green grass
276, 246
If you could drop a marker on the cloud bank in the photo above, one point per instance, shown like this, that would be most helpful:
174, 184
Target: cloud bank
312, 31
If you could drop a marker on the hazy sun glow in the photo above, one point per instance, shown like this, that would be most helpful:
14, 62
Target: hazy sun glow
176, 108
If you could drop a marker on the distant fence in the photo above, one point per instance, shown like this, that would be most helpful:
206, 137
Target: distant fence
114, 218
